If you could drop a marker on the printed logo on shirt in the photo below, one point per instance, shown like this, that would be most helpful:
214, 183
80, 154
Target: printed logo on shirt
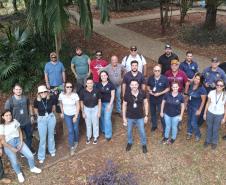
207, 74
94, 95
193, 67
217, 75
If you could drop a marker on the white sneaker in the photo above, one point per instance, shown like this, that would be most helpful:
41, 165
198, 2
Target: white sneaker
41, 161
53, 154
35, 170
20, 178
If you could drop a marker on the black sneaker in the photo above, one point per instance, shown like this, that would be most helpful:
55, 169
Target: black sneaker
144, 148
189, 136
170, 141
33, 151
164, 140
224, 137
153, 129
95, 141
128, 147
108, 139
206, 145
213, 146
87, 141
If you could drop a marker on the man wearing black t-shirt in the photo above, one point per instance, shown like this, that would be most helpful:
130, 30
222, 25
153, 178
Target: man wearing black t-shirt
134, 105
165, 59
134, 74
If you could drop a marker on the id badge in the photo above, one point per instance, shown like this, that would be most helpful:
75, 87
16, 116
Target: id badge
46, 114
135, 105
154, 89
21, 111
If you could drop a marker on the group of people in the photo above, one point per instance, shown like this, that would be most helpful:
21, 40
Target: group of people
173, 88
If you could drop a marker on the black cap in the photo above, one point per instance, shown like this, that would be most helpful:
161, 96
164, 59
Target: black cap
214, 59
133, 48
168, 46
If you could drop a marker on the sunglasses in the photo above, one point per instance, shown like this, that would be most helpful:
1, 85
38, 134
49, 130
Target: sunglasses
69, 87
43, 92
133, 50
53, 57
219, 85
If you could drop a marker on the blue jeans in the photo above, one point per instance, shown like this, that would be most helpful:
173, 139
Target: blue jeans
92, 121
192, 124
154, 108
105, 120
171, 123
46, 127
118, 98
140, 125
213, 122
27, 129
15, 142
73, 129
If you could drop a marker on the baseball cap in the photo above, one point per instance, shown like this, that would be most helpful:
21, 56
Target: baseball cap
175, 61
214, 59
133, 48
168, 46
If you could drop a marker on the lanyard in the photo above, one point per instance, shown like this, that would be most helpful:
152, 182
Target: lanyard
44, 105
217, 100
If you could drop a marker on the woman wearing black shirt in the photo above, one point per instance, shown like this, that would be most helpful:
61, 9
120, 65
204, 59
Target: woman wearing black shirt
44, 106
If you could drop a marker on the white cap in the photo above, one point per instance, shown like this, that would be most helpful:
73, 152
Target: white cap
42, 88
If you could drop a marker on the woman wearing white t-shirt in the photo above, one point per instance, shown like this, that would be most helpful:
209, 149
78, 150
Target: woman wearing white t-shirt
13, 143
69, 104
215, 114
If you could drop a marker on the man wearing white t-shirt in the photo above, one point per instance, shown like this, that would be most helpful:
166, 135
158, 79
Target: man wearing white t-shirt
142, 64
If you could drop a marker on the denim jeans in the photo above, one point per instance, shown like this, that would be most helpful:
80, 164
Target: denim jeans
1, 169
73, 129
46, 127
171, 123
27, 129
15, 142
105, 120
192, 124
154, 108
140, 125
213, 122
92, 121
118, 98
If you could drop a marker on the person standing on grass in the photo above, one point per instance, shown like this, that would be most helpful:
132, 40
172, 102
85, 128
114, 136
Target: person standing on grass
91, 110
116, 72
215, 114
69, 104
80, 66
135, 112
107, 93
157, 86
44, 107
134, 74
165, 59
196, 102
22, 111
13, 144
189, 66
96, 65
142, 64
172, 109
3, 179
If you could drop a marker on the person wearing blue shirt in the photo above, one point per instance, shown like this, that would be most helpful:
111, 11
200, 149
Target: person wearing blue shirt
212, 74
189, 66
196, 101
157, 86
172, 109
54, 72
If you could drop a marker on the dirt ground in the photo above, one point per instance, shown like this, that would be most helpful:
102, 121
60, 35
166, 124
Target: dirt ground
152, 28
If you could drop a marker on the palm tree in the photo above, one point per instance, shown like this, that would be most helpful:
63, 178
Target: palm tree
50, 17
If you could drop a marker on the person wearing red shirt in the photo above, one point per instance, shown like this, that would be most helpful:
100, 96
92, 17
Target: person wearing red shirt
175, 74
97, 64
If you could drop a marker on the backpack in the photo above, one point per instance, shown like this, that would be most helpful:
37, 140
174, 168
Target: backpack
141, 58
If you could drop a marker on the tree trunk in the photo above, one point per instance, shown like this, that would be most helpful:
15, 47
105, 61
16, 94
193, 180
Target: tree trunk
58, 43
1, 4
14, 6
211, 16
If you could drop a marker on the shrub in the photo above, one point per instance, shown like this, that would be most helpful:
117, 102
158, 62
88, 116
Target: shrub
201, 36
111, 176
